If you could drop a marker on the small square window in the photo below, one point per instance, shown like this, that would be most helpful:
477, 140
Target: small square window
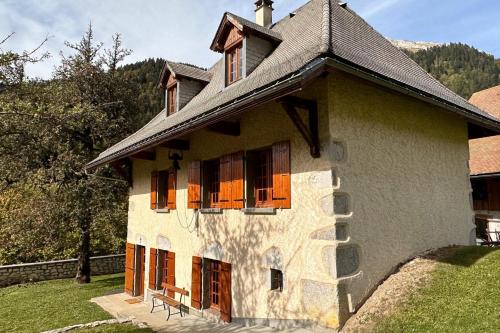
276, 280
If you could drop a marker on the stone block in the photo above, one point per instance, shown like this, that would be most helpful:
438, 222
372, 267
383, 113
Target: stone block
348, 259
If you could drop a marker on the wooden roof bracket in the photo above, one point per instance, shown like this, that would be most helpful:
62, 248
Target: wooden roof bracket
309, 132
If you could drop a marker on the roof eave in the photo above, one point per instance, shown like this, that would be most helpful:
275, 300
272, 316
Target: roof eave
279, 88
486, 175
487, 126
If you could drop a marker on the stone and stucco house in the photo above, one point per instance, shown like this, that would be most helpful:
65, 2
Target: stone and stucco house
485, 169
282, 184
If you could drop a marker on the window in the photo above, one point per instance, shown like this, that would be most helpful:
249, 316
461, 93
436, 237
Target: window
234, 64
211, 183
276, 280
214, 275
172, 100
268, 177
163, 189
267, 173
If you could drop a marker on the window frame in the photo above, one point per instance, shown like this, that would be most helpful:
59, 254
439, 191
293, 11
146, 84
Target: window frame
262, 171
214, 271
211, 183
162, 188
234, 56
172, 99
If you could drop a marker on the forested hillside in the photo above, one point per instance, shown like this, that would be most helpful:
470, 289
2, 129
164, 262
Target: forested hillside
460, 67
143, 76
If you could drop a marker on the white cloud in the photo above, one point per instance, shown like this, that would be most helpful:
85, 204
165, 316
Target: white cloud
376, 7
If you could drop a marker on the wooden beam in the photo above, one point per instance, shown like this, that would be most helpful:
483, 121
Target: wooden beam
176, 144
309, 132
226, 128
145, 155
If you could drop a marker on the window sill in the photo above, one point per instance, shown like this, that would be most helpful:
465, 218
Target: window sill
259, 211
162, 211
211, 210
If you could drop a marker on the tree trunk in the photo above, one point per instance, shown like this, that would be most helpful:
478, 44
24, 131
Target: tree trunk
83, 270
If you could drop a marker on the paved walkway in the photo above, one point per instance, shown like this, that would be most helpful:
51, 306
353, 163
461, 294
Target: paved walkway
117, 307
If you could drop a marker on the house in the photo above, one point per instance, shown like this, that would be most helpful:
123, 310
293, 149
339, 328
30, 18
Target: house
485, 170
284, 183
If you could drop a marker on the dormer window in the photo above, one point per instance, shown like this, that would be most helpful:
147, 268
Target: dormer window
234, 61
172, 100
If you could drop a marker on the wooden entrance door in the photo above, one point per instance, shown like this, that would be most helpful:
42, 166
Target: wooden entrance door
139, 271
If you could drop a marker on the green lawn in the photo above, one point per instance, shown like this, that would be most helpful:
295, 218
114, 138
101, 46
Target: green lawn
114, 328
54, 304
463, 296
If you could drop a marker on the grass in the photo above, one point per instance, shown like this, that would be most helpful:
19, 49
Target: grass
41, 306
123, 328
463, 296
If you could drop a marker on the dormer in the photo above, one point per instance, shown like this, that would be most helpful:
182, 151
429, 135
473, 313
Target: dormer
244, 44
181, 83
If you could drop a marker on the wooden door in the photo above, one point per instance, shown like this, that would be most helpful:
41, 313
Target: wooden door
129, 268
196, 283
225, 292
139, 271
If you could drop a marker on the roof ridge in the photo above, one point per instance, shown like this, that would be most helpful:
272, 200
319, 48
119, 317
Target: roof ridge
326, 27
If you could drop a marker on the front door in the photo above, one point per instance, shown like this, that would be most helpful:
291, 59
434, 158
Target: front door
140, 258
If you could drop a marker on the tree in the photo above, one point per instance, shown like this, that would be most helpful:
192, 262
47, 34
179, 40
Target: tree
63, 124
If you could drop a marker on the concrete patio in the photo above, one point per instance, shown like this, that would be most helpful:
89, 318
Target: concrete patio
117, 306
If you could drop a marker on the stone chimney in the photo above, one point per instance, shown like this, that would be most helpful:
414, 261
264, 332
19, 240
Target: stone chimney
264, 13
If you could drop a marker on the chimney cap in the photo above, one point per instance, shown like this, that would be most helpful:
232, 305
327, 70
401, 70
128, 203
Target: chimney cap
260, 3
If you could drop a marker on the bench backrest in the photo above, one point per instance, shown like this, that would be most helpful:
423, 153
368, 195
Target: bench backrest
175, 289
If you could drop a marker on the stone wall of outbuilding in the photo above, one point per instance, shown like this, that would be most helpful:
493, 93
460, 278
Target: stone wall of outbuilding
59, 269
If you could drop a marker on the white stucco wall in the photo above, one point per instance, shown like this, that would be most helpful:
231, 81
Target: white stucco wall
406, 175
245, 240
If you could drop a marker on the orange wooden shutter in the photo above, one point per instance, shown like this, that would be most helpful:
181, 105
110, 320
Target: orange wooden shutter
129, 268
237, 183
152, 268
281, 175
171, 189
171, 272
154, 189
194, 185
225, 299
196, 283
225, 181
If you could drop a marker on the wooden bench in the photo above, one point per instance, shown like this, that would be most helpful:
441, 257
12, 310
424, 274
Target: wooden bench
167, 301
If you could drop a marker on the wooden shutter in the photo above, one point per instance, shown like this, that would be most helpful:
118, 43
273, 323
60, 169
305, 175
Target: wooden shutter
237, 182
225, 298
196, 283
154, 189
194, 185
281, 175
129, 268
171, 189
152, 268
225, 181
171, 272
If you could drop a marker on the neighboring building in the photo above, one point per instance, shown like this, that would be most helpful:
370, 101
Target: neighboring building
485, 170
283, 184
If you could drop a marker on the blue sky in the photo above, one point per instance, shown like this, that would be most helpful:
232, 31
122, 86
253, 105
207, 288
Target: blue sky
181, 30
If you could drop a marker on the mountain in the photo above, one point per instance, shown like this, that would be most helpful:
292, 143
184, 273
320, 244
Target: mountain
460, 67
143, 77
412, 46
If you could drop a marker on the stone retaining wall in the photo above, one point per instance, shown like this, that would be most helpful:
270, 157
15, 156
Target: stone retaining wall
61, 269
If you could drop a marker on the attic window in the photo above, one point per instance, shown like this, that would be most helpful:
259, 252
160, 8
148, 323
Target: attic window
172, 100
234, 64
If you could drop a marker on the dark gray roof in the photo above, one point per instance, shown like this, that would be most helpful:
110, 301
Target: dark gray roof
320, 28
189, 71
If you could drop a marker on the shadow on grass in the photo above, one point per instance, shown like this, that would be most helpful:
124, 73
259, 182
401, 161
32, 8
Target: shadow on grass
465, 256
